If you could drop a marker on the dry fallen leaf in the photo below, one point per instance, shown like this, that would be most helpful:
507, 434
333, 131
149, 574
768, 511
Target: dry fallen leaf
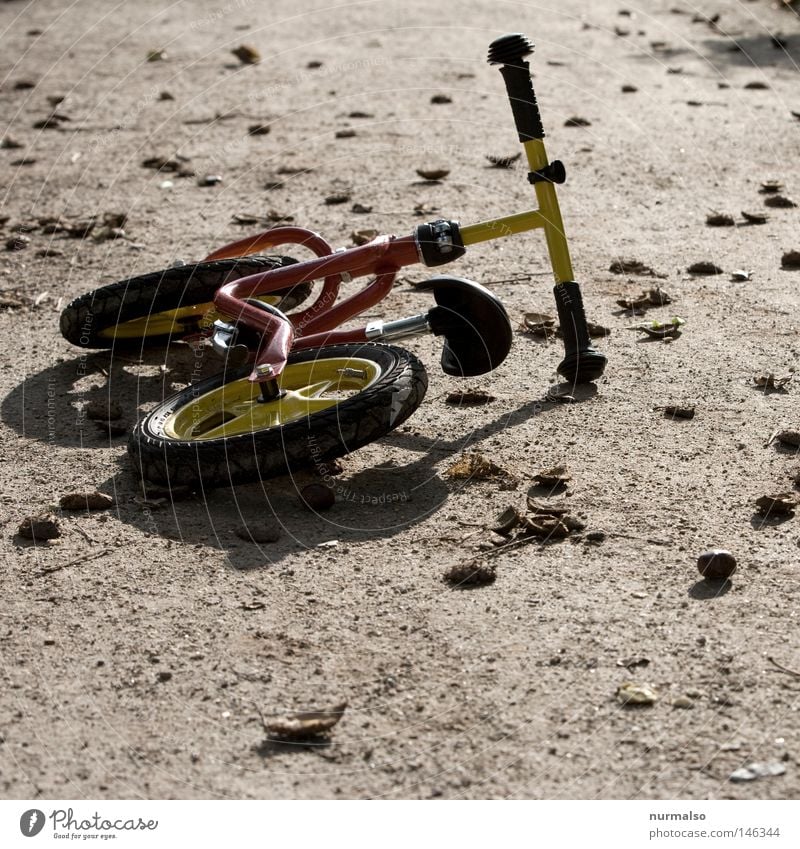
507, 521
540, 325
555, 476
247, 54
304, 725
633, 693
718, 219
473, 464
779, 202
788, 437
470, 573
782, 504
433, 174
674, 412
704, 267
769, 383
631, 266
662, 330
791, 259
503, 161
470, 398
86, 501
39, 528
361, 237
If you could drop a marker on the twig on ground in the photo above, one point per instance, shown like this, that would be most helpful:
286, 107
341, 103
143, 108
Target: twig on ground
782, 668
92, 555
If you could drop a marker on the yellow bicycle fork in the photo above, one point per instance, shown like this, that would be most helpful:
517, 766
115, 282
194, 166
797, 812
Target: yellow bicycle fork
582, 362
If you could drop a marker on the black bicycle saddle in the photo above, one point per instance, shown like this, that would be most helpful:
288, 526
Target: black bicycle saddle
474, 323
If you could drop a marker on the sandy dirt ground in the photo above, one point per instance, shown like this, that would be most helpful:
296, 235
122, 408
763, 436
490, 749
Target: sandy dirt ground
142, 670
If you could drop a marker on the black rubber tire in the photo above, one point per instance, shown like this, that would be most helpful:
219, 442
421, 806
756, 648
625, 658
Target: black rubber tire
85, 318
324, 435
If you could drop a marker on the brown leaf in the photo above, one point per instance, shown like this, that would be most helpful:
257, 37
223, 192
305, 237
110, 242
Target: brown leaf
674, 412
247, 54
719, 219
361, 237
779, 202
555, 476
507, 521
433, 174
473, 465
782, 504
39, 528
704, 267
86, 501
470, 574
503, 161
631, 266
469, 398
306, 724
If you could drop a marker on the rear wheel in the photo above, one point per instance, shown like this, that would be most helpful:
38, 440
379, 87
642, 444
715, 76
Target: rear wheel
153, 308
333, 400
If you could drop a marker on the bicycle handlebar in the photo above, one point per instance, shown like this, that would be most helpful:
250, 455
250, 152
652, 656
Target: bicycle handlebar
509, 51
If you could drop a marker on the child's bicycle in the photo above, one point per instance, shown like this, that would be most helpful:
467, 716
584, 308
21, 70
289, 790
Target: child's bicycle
296, 390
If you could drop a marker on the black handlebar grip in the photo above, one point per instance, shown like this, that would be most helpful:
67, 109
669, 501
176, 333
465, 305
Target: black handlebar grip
510, 51
582, 362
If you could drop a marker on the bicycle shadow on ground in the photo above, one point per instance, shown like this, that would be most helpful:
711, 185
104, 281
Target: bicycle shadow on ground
756, 51
374, 503
49, 406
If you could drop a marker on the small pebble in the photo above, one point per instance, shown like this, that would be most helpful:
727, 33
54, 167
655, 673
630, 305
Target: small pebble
317, 496
209, 180
716, 564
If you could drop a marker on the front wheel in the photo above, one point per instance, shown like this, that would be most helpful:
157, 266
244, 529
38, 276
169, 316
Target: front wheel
333, 400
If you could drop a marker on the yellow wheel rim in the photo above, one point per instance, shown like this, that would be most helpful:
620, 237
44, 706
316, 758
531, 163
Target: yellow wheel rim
235, 408
172, 322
